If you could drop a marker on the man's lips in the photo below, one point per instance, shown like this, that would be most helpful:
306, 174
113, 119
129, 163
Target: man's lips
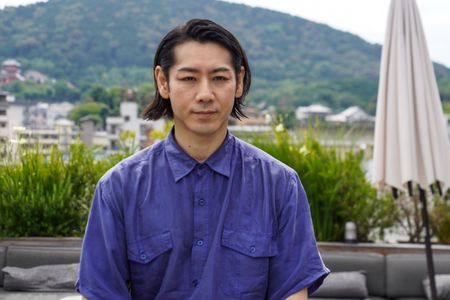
205, 112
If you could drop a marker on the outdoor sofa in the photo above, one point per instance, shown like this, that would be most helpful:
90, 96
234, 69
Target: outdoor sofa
355, 275
359, 275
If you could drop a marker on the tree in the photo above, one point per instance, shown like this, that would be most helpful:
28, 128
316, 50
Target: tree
97, 110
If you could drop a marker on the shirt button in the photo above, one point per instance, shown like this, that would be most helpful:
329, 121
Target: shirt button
252, 249
200, 243
195, 282
202, 202
143, 257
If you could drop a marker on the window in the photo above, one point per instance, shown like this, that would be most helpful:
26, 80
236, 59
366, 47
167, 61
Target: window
127, 118
2, 112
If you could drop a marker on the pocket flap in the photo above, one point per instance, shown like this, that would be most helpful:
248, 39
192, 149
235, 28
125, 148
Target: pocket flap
248, 243
146, 249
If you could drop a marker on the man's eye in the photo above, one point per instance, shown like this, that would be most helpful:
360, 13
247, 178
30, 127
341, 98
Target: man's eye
188, 78
220, 78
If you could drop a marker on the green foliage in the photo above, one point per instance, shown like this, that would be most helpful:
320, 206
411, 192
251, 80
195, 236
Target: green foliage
49, 196
446, 107
294, 61
440, 219
98, 111
335, 183
58, 91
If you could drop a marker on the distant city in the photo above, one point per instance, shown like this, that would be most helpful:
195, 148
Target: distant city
29, 123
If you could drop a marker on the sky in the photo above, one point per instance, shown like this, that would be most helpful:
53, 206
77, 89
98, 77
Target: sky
365, 18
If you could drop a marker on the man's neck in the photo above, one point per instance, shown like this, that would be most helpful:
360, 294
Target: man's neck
199, 148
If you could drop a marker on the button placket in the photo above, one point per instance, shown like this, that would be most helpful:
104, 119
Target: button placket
200, 218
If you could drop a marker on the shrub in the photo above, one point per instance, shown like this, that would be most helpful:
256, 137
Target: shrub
49, 196
335, 183
440, 219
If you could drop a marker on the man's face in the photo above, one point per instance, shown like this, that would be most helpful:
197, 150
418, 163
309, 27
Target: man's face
202, 87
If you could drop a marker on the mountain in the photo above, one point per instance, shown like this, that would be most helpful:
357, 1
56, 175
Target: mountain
112, 42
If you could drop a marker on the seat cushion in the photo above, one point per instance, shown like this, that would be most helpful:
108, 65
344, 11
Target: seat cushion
372, 263
6, 295
442, 286
343, 285
405, 273
45, 278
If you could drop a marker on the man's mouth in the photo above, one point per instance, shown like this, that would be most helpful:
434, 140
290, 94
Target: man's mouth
205, 112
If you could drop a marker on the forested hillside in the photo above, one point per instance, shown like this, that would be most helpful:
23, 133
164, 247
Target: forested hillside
111, 42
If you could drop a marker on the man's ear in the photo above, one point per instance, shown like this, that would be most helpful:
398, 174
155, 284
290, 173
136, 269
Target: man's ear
240, 83
162, 82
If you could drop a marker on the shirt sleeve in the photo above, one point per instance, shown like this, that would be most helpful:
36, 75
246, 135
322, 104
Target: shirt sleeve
298, 264
103, 267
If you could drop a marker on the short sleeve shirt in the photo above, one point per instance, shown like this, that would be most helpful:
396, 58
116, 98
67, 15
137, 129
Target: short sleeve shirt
163, 226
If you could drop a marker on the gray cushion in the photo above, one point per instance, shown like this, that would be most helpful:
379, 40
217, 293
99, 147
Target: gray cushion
405, 273
343, 285
372, 263
46, 278
442, 287
2, 263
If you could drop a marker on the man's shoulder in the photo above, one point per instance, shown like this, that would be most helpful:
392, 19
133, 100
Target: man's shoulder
254, 155
136, 163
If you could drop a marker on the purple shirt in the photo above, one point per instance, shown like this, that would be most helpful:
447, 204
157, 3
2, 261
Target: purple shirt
163, 226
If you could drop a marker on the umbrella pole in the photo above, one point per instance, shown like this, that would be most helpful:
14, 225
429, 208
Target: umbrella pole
428, 249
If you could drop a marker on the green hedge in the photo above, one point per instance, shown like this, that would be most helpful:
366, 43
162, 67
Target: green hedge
51, 196
44, 195
335, 183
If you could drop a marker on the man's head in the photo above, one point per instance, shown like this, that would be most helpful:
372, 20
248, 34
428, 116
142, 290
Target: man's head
202, 31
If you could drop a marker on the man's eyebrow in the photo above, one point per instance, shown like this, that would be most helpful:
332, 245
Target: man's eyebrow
220, 69
194, 70
188, 69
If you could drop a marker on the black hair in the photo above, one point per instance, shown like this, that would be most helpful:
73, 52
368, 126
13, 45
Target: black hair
200, 30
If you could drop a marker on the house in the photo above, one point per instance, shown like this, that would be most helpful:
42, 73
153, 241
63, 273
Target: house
303, 113
257, 120
351, 115
35, 76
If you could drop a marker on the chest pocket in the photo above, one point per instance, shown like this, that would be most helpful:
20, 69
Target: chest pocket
245, 260
148, 259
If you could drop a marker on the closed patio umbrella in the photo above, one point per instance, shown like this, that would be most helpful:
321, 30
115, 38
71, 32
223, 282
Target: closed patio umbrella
411, 140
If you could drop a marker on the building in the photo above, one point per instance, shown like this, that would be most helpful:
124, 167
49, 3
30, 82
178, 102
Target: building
127, 121
35, 76
12, 114
57, 111
257, 120
62, 136
10, 71
304, 113
43, 115
47, 124
351, 115
3, 115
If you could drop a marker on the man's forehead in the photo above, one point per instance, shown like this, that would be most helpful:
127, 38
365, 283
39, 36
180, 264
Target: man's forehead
195, 55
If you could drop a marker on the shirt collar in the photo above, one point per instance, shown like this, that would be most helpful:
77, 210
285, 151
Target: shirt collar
182, 164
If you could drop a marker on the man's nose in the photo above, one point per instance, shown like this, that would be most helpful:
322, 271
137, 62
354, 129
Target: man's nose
205, 91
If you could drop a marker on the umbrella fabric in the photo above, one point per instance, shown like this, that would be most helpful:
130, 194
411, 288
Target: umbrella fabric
411, 138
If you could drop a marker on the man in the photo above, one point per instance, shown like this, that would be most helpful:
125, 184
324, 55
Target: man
200, 215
